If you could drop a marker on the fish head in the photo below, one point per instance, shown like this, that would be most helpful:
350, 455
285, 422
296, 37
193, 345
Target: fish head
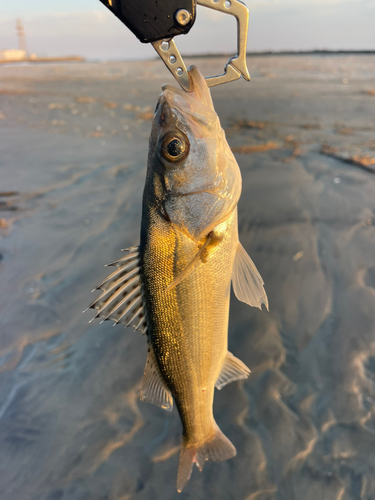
199, 179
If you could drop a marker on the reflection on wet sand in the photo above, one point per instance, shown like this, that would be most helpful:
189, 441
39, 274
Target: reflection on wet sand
73, 154
11, 356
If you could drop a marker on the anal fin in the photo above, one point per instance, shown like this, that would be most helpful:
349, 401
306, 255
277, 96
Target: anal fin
154, 389
246, 280
233, 369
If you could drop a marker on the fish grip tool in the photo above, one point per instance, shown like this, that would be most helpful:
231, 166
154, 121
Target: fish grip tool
159, 21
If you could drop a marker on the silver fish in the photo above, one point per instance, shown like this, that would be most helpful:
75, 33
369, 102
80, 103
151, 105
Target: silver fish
176, 285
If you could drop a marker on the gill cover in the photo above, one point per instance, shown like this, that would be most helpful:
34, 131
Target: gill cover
199, 175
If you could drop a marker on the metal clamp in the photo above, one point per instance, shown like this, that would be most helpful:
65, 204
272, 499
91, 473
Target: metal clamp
236, 66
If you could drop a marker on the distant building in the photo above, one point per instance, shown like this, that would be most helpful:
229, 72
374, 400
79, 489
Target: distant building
13, 55
22, 54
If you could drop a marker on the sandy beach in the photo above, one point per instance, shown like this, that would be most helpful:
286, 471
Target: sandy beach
73, 153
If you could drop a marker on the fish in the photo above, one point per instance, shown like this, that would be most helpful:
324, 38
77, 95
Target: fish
175, 286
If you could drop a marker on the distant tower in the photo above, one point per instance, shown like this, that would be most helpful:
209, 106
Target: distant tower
21, 36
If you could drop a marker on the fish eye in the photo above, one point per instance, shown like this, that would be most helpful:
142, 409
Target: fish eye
174, 147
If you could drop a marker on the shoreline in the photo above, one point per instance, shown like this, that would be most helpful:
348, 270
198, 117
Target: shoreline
270, 53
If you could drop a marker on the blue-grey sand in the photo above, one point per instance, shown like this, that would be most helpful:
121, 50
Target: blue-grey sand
73, 154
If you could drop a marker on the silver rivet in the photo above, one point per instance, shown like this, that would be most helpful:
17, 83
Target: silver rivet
179, 71
172, 59
183, 17
227, 4
164, 45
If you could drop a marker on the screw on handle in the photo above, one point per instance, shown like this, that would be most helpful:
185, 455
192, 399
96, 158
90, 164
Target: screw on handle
152, 20
236, 66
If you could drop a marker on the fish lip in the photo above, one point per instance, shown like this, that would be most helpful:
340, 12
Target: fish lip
181, 102
171, 88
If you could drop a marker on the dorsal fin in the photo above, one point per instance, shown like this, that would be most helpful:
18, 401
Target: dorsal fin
233, 369
121, 298
154, 389
246, 280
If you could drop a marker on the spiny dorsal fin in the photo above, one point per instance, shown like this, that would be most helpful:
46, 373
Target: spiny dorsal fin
233, 369
121, 297
154, 389
246, 280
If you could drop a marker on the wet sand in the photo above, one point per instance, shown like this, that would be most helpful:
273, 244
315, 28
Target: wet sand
73, 151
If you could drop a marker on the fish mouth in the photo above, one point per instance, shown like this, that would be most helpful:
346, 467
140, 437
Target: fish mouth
191, 107
172, 89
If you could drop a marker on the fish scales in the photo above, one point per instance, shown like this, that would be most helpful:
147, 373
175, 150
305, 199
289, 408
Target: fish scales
181, 273
188, 325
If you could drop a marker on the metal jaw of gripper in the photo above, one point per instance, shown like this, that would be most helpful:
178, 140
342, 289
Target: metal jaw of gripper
236, 66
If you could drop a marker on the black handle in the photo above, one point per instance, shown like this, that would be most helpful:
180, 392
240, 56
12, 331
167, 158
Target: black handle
152, 20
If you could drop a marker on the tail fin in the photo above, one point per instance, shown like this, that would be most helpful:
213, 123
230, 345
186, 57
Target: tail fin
217, 449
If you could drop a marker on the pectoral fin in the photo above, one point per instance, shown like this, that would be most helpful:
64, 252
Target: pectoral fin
154, 389
233, 369
246, 280
203, 255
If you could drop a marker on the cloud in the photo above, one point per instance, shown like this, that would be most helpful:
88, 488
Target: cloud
274, 25
95, 34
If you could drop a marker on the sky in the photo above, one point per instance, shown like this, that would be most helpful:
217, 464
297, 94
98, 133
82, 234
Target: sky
88, 29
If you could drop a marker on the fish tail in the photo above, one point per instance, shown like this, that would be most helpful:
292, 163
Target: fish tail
218, 448
187, 458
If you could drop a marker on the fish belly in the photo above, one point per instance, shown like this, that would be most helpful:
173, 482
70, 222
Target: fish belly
188, 325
